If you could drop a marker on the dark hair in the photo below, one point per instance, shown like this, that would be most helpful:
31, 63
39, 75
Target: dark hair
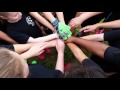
82, 71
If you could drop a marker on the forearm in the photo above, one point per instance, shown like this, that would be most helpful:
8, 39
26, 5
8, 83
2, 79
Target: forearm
77, 52
26, 55
60, 62
42, 20
60, 16
50, 44
95, 37
86, 15
112, 24
49, 16
10, 40
5, 37
94, 47
43, 39
20, 48
78, 14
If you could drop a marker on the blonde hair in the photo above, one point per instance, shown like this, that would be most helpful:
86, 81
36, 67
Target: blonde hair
10, 65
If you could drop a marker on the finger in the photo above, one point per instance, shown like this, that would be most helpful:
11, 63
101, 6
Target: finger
73, 26
89, 30
70, 24
41, 45
41, 52
57, 42
84, 28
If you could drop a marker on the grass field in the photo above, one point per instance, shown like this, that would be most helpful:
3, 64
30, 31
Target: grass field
50, 59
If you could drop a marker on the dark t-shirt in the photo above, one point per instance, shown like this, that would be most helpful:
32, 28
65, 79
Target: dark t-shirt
90, 63
6, 44
111, 61
112, 55
98, 72
39, 71
113, 37
22, 30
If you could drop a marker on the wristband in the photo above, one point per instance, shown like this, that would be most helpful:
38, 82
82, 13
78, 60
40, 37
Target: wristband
55, 22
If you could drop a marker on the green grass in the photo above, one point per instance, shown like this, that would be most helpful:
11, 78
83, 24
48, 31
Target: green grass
50, 59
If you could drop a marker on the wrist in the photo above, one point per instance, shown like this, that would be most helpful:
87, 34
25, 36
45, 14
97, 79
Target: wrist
81, 19
98, 25
56, 35
55, 22
60, 52
73, 39
27, 55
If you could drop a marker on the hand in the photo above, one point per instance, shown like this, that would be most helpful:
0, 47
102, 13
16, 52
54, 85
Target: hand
75, 22
63, 30
60, 46
70, 40
37, 49
90, 28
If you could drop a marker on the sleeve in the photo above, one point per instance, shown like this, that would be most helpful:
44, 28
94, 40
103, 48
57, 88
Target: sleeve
18, 36
38, 71
115, 34
11, 47
112, 55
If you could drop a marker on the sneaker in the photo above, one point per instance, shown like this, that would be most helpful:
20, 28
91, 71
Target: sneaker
41, 57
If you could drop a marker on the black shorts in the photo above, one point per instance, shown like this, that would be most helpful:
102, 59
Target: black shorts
11, 47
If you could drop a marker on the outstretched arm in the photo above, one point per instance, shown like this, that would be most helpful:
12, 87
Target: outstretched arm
94, 47
63, 30
49, 16
77, 52
43, 39
60, 59
35, 50
77, 21
20, 48
94, 37
60, 17
42, 20
5, 37
112, 24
